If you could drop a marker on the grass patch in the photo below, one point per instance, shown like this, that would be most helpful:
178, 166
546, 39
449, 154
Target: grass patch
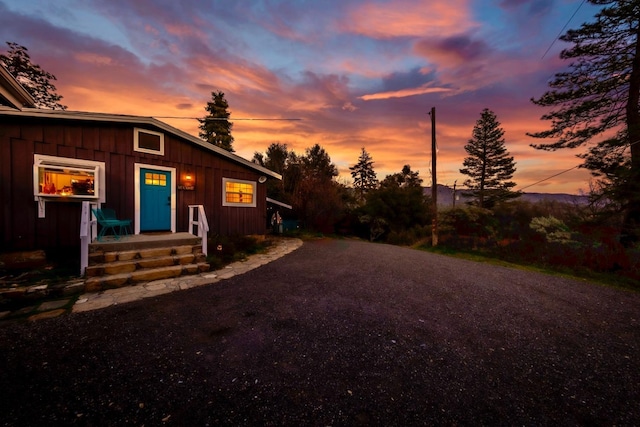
605, 279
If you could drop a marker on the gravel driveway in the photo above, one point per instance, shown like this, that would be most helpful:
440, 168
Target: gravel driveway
338, 332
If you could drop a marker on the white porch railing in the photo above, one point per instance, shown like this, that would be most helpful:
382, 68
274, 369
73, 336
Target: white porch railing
198, 219
88, 231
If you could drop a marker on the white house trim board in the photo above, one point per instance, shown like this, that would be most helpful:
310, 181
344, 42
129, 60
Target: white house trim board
13, 91
254, 193
136, 175
139, 121
136, 142
41, 160
276, 202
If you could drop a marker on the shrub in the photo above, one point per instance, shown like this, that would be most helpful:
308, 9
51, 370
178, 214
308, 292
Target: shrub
408, 237
375, 227
224, 250
553, 229
467, 228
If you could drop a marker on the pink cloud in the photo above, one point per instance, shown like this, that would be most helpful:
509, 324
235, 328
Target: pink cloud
408, 18
404, 93
181, 65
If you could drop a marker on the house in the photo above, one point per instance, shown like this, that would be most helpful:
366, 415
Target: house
146, 170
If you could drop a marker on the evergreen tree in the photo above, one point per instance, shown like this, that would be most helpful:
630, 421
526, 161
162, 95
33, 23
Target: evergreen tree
32, 77
317, 197
488, 164
317, 164
277, 159
405, 179
258, 158
600, 92
294, 172
398, 203
215, 128
364, 177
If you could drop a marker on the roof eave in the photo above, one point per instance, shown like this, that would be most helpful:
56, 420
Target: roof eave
13, 91
139, 120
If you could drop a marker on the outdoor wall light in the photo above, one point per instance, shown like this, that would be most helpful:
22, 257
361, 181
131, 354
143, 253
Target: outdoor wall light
187, 181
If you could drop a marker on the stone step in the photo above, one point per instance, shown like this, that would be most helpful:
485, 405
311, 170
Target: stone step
101, 283
138, 259
137, 242
134, 264
100, 257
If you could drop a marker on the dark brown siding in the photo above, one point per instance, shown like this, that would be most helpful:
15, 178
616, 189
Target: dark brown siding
21, 138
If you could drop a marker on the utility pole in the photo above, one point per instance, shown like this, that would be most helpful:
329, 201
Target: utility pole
454, 193
434, 181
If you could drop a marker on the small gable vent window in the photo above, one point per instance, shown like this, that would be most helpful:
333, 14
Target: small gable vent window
147, 141
236, 192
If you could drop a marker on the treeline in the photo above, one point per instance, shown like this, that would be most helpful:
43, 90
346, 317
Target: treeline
323, 204
396, 210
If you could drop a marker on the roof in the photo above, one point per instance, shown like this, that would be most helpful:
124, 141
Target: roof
22, 104
13, 92
275, 202
134, 120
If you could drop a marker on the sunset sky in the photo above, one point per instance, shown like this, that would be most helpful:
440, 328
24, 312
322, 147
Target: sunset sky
356, 73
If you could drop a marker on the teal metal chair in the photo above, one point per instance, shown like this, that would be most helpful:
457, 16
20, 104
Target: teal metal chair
108, 220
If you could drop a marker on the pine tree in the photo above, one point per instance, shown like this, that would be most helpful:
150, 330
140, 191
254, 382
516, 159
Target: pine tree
32, 77
399, 203
600, 92
215, 128
316, 195
488, 165
405, 179
277, 158
317, 164
364, 177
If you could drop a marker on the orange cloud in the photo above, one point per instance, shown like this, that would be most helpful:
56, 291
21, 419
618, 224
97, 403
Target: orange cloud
406, 18
404, 93
93, 58
169, 70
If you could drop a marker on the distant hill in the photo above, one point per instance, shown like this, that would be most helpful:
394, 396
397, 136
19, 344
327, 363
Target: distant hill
445, 197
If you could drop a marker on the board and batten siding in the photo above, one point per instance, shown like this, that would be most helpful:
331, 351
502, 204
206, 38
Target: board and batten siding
111, 143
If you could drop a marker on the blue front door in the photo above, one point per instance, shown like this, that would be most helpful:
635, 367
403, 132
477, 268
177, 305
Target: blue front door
155, 200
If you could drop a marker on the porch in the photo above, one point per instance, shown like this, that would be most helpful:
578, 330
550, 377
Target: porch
142, 258
125, 260
142, 241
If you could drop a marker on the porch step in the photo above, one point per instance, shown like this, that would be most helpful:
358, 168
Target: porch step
118, 264
137, 242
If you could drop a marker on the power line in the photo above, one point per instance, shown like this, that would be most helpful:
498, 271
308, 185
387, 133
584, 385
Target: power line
549, 177
563, 172
221, 118
562, 30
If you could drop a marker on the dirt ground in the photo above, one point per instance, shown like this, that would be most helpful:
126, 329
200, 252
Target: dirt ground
338, 333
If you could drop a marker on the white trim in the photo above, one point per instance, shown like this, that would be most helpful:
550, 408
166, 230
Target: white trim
253, 204
136, 120
275, 202
136, 141
13, 91
136, 190
99, 180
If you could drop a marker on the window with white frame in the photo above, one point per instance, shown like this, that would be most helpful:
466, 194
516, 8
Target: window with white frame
148, 141
61, 177
237, 192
